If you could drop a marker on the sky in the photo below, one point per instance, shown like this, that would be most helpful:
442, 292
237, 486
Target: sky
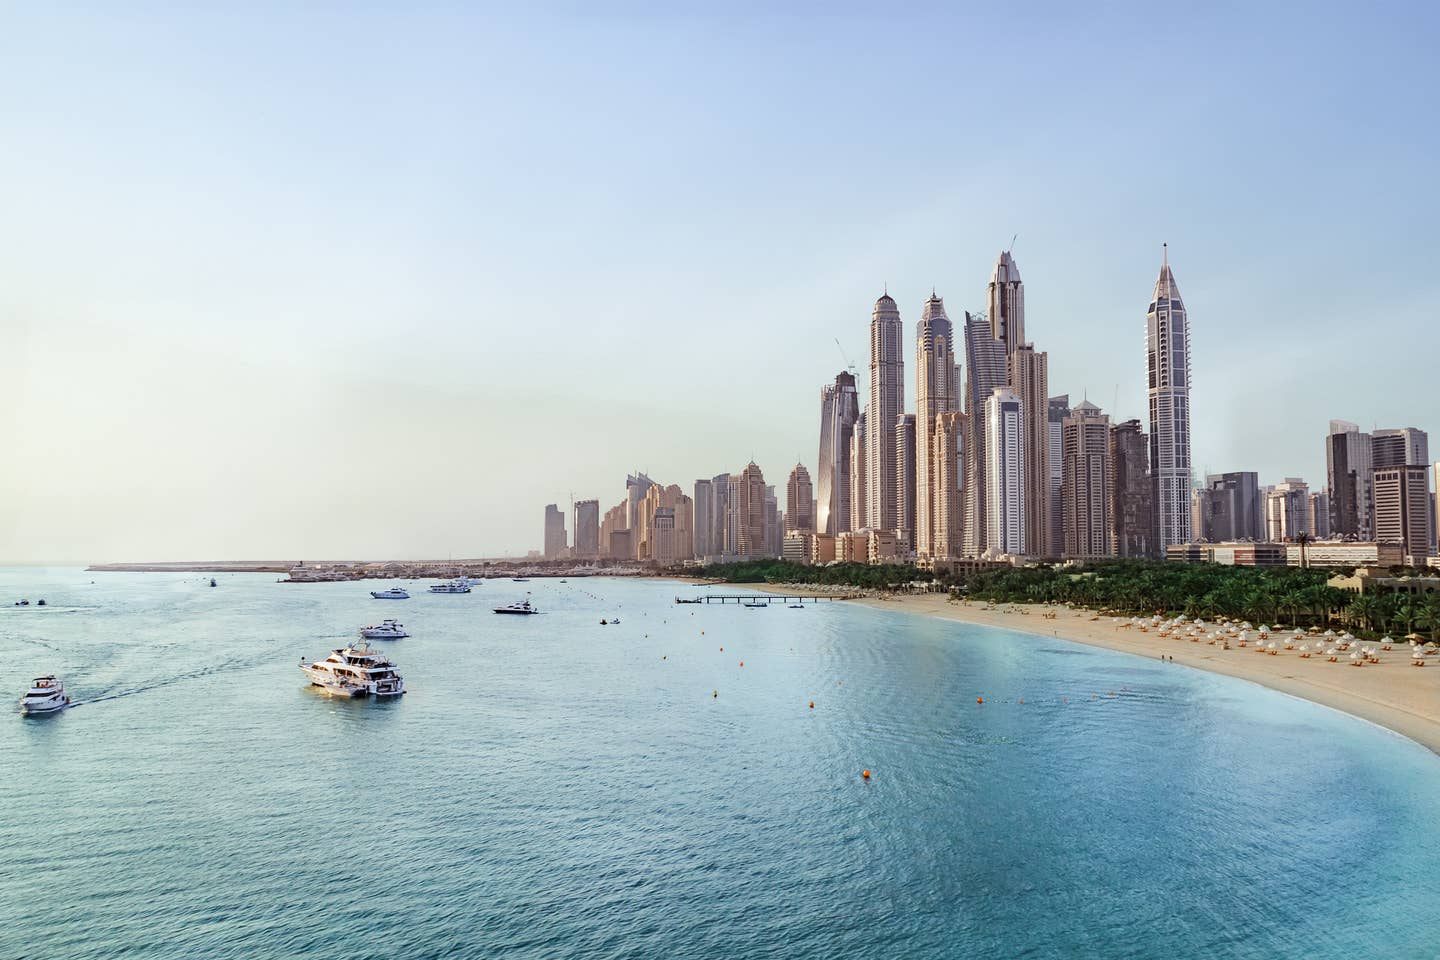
376, 281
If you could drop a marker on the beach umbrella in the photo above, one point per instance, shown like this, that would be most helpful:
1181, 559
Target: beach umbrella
1413, 636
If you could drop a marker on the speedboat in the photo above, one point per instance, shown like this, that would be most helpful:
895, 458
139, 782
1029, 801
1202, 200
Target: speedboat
394, 593
40, 602
756, 603
22, 603
521, 607
520, 579
46, 695
450, 586
355, 671
212, 581
387, 630
797, 606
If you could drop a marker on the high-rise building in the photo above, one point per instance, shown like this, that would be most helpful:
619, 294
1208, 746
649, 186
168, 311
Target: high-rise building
1005, 473
1087, 482
587, 528
905, 492
554, 532
1006, 304
947, 497
1435, 507
635, 486
774, 523
704, 503
1287, 511
1320, 515
1167, 347
749, 509
1133, 513
1348, 467
887, 402
1028, 377
1231, 508
664, 533
1405, 447
839, 409
799, 501
1402, 510
1059, 409
859, 488
986, 370
937, 391
615, 532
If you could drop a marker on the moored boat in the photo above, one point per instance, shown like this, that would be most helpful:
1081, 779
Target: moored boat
521, 607
394, 593
451, 586
386, 630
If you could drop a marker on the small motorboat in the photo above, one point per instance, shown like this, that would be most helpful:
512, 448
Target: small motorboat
521, 607
386, 630
748, 604
394, 593
520, 579
46, 695
212, 581
615, 622
22, 603
797, 606
604, 622
40, 602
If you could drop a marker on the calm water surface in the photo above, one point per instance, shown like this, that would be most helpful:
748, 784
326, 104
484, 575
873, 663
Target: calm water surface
553, 788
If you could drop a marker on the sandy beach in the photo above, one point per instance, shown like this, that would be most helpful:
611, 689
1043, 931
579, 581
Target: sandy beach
1392, 693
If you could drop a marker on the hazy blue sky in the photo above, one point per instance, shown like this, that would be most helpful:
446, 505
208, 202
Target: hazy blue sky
336, 280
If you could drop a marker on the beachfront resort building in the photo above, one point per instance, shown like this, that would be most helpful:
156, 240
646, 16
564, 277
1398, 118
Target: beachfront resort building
1167, 349
1402, 510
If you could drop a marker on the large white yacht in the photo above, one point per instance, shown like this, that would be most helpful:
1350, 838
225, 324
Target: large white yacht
388, 630
394, 593
46, 695
451, 586
355, 672
521, 607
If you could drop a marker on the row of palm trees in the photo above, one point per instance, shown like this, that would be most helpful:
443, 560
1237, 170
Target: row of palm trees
1298, 596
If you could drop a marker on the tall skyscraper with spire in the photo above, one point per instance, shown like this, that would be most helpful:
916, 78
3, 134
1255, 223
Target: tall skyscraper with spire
1028, 372
887, 402
1167, 347
1005, 303
936, 392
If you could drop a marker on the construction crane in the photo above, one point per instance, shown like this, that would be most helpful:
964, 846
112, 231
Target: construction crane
845, 356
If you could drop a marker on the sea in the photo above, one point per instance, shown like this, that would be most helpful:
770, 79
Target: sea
685, 781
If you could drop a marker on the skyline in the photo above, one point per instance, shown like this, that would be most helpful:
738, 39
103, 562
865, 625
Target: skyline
284, 321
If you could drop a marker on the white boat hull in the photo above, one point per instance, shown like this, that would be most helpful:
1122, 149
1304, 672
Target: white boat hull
40, 710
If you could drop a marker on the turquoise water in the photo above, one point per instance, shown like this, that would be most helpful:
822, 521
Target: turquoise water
552, 788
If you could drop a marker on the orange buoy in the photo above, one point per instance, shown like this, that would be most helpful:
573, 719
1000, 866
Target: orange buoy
979, 699
812, 704
1022, 699
742, 663
865, 775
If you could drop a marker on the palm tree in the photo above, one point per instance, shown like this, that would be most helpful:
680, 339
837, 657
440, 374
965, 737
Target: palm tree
1304, 539
1363, 609
1429, 615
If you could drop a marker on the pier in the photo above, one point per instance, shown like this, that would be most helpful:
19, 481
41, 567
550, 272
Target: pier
765, 598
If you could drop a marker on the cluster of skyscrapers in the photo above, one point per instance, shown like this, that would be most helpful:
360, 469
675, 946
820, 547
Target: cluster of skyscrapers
990, 467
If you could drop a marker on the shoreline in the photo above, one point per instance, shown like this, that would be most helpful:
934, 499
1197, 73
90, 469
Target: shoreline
1392, 694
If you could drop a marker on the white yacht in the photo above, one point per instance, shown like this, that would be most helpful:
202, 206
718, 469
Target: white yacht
46, 695
387, 630
521, 607
451, 586
355, 672
394, 593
